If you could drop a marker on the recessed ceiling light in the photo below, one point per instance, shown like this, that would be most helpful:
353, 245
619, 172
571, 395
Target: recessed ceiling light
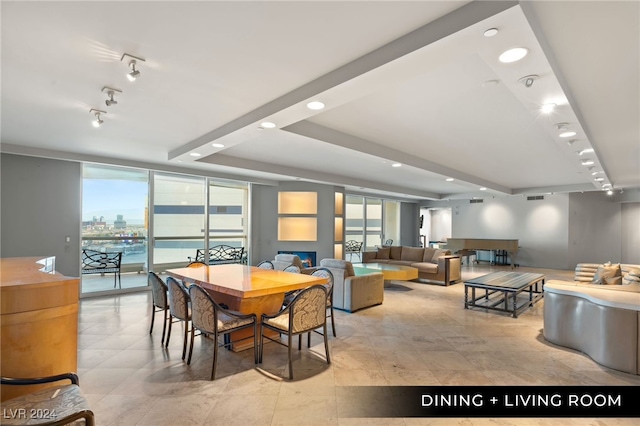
396, 165
567, 134
315, 105
217, 145
587, 163
609, 192
595, 173
490, 83
599, 179
449, 179
585, 151
194, 154
548, 108
483, 189
513, 55
491, 32
267, 125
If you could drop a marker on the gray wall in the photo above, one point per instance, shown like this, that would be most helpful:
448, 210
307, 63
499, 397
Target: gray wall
630, 233
264, 221
40, 208
409, 225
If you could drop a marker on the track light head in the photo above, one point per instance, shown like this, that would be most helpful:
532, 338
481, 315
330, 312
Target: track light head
134, 72
110, 93
97, 122
110, 101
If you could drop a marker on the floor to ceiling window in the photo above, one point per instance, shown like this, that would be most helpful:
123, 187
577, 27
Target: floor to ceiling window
114, 218
372, 221
157, 219
178, 219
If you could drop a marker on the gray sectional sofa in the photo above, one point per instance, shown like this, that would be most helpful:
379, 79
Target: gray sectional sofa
597, 314
435, 265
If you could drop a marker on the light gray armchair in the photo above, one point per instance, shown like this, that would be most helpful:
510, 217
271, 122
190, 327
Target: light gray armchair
351, 292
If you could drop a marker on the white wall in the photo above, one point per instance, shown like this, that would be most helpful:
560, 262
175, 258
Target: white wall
557, 232
441, 224
40, 208
631, 233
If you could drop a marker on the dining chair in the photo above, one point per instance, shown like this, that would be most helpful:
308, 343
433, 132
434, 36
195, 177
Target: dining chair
58, 405
179, 310
305, 313
326, 273
159, 301
265, 264
209, 317
292, 268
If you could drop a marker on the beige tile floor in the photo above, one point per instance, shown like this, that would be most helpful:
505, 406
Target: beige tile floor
421, 335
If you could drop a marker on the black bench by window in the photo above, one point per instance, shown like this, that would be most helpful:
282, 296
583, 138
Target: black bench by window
220, 254
97, 262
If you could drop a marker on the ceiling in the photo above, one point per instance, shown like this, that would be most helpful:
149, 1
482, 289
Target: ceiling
414, 83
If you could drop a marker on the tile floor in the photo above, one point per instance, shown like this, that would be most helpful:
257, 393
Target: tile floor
421, 335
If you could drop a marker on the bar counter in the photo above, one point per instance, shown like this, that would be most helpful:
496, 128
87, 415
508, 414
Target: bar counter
38, 321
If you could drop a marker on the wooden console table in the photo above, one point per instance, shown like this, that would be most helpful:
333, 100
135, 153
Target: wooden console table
39, 321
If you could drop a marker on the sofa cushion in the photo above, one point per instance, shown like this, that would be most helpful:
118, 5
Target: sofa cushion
605, 274
631, 277
338, 264
383, 253
428, 267
412, 254
396, 252
439, 253
428, 254
400, 262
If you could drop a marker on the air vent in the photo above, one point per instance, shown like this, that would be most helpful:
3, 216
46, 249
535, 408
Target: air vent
479, 200
535, 197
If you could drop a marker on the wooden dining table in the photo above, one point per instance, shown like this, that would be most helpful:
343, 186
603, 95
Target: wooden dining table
246, 289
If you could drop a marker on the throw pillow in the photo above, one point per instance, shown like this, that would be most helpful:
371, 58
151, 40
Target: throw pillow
383, 253
605, 272
438, 253
631, 277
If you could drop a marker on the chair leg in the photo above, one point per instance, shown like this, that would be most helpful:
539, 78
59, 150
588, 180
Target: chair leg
184, 342
255, 342
191, 345
215, 356
164, 325
153, 317
308, 339
299, 341
166, 342
260, 345
326, 342
333, 322
290, 361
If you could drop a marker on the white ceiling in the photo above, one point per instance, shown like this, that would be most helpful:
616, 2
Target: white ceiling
402, 81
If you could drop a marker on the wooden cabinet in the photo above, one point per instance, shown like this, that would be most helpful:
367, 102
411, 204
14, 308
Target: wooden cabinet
39, 321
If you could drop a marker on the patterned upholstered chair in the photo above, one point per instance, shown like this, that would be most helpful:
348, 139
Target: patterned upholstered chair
282, 260
209, 317
160, 302
66, 403
179, 310
326, 273
265, 264
294, 269
306, 312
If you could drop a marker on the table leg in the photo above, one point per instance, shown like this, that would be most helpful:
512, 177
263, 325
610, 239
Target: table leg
466, 297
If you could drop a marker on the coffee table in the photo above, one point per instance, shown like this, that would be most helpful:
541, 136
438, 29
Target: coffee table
503, 288
389, 271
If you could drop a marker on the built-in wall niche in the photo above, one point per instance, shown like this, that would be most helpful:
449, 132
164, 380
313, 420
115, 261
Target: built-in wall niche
339, 204
297, 202
297, 229
338, 229
297, 216
337, 251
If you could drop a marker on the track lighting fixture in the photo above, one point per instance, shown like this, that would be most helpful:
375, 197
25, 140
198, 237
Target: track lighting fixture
97, 121
111, 92
133, 60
